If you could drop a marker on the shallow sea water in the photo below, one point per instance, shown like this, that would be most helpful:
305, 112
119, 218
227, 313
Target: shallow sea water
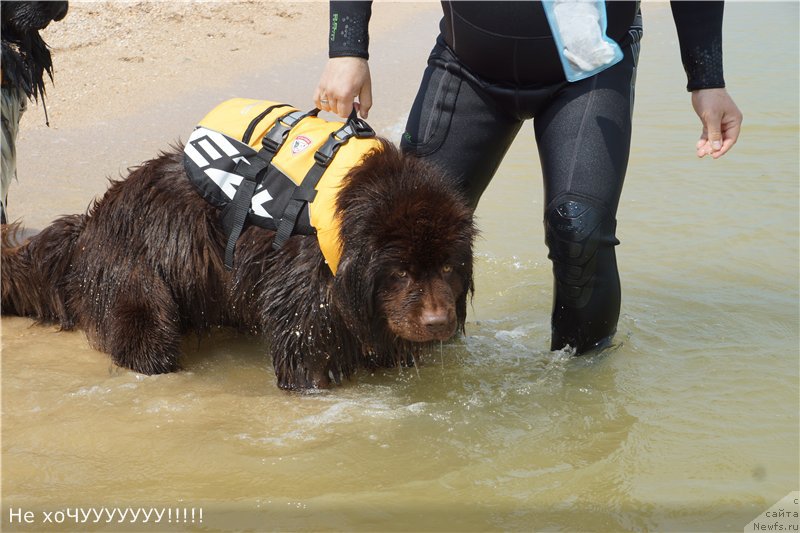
689, 424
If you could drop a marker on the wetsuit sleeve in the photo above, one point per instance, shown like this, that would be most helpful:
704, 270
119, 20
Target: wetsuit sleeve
699, 26
349, 31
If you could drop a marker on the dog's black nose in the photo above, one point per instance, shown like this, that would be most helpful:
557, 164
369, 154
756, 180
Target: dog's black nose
437, 322
434, 317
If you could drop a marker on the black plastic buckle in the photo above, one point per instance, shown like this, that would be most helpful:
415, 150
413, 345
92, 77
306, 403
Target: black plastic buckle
360, 127
325, 154
276, 135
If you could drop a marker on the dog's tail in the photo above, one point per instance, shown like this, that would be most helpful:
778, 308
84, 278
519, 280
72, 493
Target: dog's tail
33, 272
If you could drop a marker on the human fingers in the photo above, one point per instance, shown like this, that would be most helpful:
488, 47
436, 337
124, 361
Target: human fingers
701, 145
321, 100
344, 107
730, 135
335, 86
729, 129
712, 126
365, 99
322, 94
721, 121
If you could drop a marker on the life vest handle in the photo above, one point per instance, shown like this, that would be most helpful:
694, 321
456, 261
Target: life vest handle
361, 129
306, 191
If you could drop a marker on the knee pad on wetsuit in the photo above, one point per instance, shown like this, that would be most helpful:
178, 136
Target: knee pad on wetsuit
586, 300
574, 231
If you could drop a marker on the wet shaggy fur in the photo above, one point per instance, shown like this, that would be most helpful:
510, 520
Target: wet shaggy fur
145, 266
26, 57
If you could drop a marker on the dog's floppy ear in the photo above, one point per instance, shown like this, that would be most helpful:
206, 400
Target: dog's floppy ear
465, 268
354, 286
461, 301
358, 270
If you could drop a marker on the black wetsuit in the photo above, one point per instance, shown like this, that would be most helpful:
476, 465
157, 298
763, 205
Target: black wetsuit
494, 65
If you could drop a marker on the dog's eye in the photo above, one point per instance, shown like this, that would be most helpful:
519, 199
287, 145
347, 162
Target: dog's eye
447, 269
401, 273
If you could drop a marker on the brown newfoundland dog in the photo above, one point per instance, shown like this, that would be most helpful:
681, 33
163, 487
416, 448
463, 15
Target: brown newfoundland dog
145, 266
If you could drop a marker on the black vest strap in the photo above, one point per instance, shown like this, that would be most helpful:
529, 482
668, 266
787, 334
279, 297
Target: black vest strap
253, 170
248, 133
235, 213
306, 191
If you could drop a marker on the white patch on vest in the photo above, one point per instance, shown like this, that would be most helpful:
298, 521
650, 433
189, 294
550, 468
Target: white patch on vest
259, 199
301, 142
224, 180
195, 156
203, 136
209, 148
223, 143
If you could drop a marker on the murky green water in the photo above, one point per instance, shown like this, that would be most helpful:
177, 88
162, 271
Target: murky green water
691, 424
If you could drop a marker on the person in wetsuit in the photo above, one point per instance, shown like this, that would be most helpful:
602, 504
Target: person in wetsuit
494, 65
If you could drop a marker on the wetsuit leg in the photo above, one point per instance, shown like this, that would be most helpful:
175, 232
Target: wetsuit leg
453, 124
583, 137
583, 134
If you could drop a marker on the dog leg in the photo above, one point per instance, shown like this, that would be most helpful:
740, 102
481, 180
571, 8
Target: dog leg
308, 353
142, 328
298, 366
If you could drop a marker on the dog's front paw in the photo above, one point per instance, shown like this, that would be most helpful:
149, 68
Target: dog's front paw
303, 379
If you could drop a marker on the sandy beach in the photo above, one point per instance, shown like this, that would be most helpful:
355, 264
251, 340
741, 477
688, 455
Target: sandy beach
113, 59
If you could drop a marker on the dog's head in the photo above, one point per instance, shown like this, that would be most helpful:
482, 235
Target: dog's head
407, 234
26, 57
26, 17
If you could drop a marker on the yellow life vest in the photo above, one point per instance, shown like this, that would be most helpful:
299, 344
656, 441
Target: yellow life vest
276, 167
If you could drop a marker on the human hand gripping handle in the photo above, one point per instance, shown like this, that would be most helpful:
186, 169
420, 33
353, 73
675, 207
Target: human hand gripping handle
721, 120
343, 80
